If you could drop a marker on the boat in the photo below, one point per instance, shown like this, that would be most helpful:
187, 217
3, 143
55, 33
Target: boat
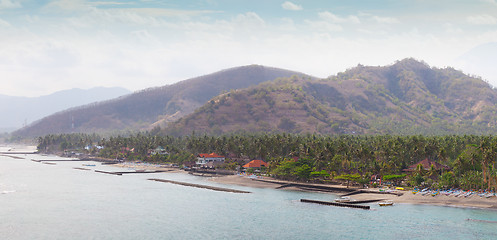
344, 200
386, 203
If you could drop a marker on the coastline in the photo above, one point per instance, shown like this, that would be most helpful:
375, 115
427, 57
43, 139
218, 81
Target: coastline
407, 197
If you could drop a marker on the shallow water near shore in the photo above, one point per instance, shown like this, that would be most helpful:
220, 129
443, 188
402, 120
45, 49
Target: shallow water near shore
42, 201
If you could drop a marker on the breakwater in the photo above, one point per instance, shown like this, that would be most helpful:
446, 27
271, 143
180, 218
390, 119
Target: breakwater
308, 187
14, 157
131, 172
336, 204
199, 186
371, 191
78, 168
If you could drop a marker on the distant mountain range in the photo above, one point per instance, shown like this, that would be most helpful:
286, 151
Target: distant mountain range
407, 97
19, 111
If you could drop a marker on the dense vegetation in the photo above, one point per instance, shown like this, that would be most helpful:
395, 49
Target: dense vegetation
318, 158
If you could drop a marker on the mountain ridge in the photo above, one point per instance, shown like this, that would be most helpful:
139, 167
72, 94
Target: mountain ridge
407, 97
153, 106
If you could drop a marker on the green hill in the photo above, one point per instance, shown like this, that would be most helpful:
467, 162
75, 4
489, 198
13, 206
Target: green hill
408, 97
151, 107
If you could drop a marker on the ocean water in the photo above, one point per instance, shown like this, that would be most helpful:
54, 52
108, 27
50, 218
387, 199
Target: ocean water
42, 201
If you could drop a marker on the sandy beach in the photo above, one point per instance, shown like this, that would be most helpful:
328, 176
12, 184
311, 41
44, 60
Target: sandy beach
407, 197
141, 166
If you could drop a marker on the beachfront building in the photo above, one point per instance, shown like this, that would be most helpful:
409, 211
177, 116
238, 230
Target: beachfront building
204, 158
426, 163
159, 150
255, 164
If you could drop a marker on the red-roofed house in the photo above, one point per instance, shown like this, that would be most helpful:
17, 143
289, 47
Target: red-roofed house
255, 164
427, 166
204, 158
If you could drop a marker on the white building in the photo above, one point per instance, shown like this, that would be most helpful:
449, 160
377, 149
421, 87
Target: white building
205, 158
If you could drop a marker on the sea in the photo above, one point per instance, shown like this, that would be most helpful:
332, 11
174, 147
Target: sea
57, 201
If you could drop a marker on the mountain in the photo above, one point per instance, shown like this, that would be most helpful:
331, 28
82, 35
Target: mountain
18, 111
408, 97
152, 107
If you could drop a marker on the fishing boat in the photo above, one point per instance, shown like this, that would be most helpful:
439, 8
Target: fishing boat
386, 203
344, 200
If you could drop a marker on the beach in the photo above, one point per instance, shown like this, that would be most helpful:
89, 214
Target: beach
407, 197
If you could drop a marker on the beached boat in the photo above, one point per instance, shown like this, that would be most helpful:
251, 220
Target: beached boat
344, 200
386, 203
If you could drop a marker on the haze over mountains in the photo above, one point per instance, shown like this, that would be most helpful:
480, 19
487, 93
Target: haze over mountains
408, 97
154, 106
19, 111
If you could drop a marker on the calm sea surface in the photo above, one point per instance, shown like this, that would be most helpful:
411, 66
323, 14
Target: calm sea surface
41, 201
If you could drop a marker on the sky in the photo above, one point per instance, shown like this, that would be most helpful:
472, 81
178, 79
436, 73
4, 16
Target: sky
51, 45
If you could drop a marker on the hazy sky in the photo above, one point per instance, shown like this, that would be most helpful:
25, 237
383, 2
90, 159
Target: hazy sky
47, 46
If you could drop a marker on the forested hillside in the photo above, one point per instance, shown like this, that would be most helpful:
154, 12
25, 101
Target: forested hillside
408, 97
151, 107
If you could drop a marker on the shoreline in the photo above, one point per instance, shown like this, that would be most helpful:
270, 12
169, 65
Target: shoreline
407, 197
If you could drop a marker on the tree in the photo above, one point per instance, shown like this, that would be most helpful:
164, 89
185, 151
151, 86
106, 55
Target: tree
286, 124
447, 179
349, 177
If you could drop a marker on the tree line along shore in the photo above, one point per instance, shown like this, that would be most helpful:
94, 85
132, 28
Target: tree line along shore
470, 160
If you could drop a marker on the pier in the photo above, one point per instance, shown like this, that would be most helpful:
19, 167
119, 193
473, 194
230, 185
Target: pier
336, 204
199, 186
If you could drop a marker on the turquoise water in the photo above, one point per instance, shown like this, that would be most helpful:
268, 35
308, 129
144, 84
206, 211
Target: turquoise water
41, 201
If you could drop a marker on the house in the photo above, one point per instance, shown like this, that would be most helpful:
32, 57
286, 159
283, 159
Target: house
204, 158
159, 150
255, 164
427, 166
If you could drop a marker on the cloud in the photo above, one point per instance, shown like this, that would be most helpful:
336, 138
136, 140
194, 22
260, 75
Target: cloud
450, 28
250, 20
291, 6
323, 26
385, 20
5, 4
483, 19
327, 16
490, 1
108, 3
4, 23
